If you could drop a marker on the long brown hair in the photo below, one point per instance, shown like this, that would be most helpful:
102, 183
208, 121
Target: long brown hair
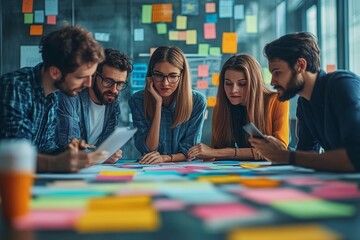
183, 93
257, 93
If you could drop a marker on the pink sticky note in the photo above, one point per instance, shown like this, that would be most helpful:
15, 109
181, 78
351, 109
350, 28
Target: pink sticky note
202, 84
203, 70
168, 204
220, 211
182, 35
210, 7
48, 219
267, 196
209, 31
198, 167
303, 181
51, 19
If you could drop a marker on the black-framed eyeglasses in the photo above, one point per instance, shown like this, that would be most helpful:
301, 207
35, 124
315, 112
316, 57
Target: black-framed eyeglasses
172, 78
108, 83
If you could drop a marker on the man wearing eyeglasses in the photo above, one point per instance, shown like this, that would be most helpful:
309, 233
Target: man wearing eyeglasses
93, 114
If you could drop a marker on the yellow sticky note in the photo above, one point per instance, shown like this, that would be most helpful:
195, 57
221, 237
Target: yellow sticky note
191, 37
229, 42
251, 24
143, 219
117, 173
181, 22
293, 232
215, 79
211, 101
173, 35
221, 179
260, 182
111, 203
36, 30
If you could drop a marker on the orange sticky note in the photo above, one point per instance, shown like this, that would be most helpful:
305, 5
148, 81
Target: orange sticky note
215, 79
36, 30
162, 12
330, 68
203, 70
209, 31
229, 42
27, 6
202, 84
211, 101
51, 19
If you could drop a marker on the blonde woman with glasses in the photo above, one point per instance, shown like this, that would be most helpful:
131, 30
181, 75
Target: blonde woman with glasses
242, 98
168, 114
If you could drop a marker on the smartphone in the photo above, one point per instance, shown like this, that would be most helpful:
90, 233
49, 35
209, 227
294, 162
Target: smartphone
252, 130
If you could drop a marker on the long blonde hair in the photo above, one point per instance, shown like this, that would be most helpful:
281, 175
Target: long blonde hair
183, 93
257, 93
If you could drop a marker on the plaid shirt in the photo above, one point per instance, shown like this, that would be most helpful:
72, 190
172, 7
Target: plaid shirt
25, 111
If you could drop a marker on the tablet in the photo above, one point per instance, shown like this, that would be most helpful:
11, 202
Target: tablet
252, 130
115, 141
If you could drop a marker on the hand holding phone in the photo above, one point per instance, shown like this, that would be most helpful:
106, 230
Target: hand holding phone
253, 131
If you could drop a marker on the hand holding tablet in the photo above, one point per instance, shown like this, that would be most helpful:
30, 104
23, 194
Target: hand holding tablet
115, 141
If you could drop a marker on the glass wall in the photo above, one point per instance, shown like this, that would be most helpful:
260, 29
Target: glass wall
354, 36
328, 35
311, 19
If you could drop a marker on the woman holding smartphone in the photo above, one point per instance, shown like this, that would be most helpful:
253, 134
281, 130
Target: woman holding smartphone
168, 114
243, 97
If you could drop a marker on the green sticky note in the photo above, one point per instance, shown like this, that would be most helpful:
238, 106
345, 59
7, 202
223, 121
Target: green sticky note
203, 50
314, 209
58, 203
28, 18
251, 24
161, 28
215, 51
146, 14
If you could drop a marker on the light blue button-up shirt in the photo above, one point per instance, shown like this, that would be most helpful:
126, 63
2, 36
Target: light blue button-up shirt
171, 140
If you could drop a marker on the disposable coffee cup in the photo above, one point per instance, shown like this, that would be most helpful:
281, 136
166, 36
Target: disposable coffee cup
17, 168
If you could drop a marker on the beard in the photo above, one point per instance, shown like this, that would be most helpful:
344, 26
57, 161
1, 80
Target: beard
60, 85
100, 96
293, 87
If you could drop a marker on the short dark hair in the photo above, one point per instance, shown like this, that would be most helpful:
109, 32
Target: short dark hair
291, 47
70, 47
116, 59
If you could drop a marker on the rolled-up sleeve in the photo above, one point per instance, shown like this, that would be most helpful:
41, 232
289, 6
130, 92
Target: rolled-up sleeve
68, 126
136, 104
195, 124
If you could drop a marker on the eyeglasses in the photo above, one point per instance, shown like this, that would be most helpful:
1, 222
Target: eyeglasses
172, 78
108, 83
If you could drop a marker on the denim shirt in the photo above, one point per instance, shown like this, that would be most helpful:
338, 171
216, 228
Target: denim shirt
25, 111
74, 122
331, 119
171, 140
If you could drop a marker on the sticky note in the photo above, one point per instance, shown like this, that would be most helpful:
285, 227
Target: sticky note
27, 6
284, 232
181, 22
202, 84
330, 68
215, 79
210, 7
203, 70
226, 210
209, 31
51, 19
109, 203
239, 12
251, 24
260, 182
211, 101
229, 42
161, 28
28, 18
36, 30
191, 37
215, 51
162, 12
203, 49
308, 209
146, 13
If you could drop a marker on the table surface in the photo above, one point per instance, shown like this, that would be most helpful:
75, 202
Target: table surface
182, 224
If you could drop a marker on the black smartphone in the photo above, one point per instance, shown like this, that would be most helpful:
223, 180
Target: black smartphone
253, 131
